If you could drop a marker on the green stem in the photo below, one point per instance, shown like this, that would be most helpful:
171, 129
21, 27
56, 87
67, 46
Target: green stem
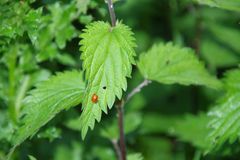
12, 83
121, 130
21, 94
112, 12
117, 149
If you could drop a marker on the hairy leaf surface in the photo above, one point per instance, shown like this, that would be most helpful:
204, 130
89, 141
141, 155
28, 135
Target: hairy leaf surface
60, 92
169, 64
225, 122
107, 56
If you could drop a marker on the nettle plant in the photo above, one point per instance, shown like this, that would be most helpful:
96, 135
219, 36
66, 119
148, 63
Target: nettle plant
108, 56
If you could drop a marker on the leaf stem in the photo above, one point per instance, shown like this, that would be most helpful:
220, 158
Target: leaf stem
117, 149
21, 93
121, 130
120, 109
111, 12
137, 89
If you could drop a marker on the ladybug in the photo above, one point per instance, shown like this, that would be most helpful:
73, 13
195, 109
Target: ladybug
94, 98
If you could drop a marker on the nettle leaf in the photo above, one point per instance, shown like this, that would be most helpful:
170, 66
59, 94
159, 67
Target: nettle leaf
190, 127
82, 5
225, 4
135, 156
108, 55
12, 20
32, 21
61, 23
225, 117
232, 80
195, 125
60, 92
169, 64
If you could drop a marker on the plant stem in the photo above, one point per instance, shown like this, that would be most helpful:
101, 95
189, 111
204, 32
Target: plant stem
137, 89
121, 130
121, 148
12, 60
120, 109
112, 12
117, 149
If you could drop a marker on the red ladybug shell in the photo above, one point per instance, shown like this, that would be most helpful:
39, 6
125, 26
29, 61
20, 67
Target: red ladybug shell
94, 98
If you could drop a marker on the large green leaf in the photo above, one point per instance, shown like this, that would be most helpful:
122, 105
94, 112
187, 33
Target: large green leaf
190, 127
169, 64
225, 122
107, 56
185, 128
49, 98
225, 4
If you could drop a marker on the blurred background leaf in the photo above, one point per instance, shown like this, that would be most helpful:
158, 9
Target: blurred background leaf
40, 37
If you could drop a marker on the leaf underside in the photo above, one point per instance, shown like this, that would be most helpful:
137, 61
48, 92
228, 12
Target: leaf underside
169, 64
60, 92
107, 54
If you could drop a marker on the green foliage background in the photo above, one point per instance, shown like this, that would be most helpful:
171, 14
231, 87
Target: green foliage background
171, 119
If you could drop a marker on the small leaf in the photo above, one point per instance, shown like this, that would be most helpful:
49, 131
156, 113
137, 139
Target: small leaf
61, 26
190, 127
73, 151
232, 80
82, 5
50, 97
107, 56
32, 22
66, 59
169, 64
225, 4
31, 157
50, 133
110, 130
135, 156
